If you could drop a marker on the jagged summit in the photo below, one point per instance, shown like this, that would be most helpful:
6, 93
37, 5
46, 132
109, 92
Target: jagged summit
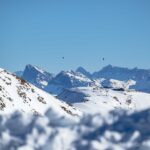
33, 69
70, 79
36, 76
122, 73
84, 72
67, 79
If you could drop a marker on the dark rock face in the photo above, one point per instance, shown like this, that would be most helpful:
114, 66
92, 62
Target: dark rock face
81, 77
141, 76
69, 79
36, 76
62, 79
119, 73
84, 72
66, 80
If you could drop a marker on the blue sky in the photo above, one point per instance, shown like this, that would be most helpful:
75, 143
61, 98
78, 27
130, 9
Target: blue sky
41, 32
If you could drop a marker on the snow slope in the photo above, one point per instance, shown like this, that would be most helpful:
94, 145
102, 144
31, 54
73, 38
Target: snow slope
17, 94
100, 100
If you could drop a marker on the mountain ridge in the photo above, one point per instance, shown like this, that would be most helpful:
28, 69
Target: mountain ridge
18, 94
69, 79
36, 76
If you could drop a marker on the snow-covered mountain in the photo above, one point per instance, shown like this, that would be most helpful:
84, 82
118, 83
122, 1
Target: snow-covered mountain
17, 94
81, 77
68, 79
140, 76
84, 72
120, 73
101, 100
37, 76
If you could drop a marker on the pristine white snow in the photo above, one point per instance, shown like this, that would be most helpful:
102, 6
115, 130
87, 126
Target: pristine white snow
17, 94
100, 100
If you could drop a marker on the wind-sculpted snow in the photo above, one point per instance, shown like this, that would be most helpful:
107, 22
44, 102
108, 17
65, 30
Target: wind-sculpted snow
118, 131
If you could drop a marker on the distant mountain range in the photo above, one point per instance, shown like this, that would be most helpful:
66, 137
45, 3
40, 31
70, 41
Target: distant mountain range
86, 95
55, 84
140, 76
120, 73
